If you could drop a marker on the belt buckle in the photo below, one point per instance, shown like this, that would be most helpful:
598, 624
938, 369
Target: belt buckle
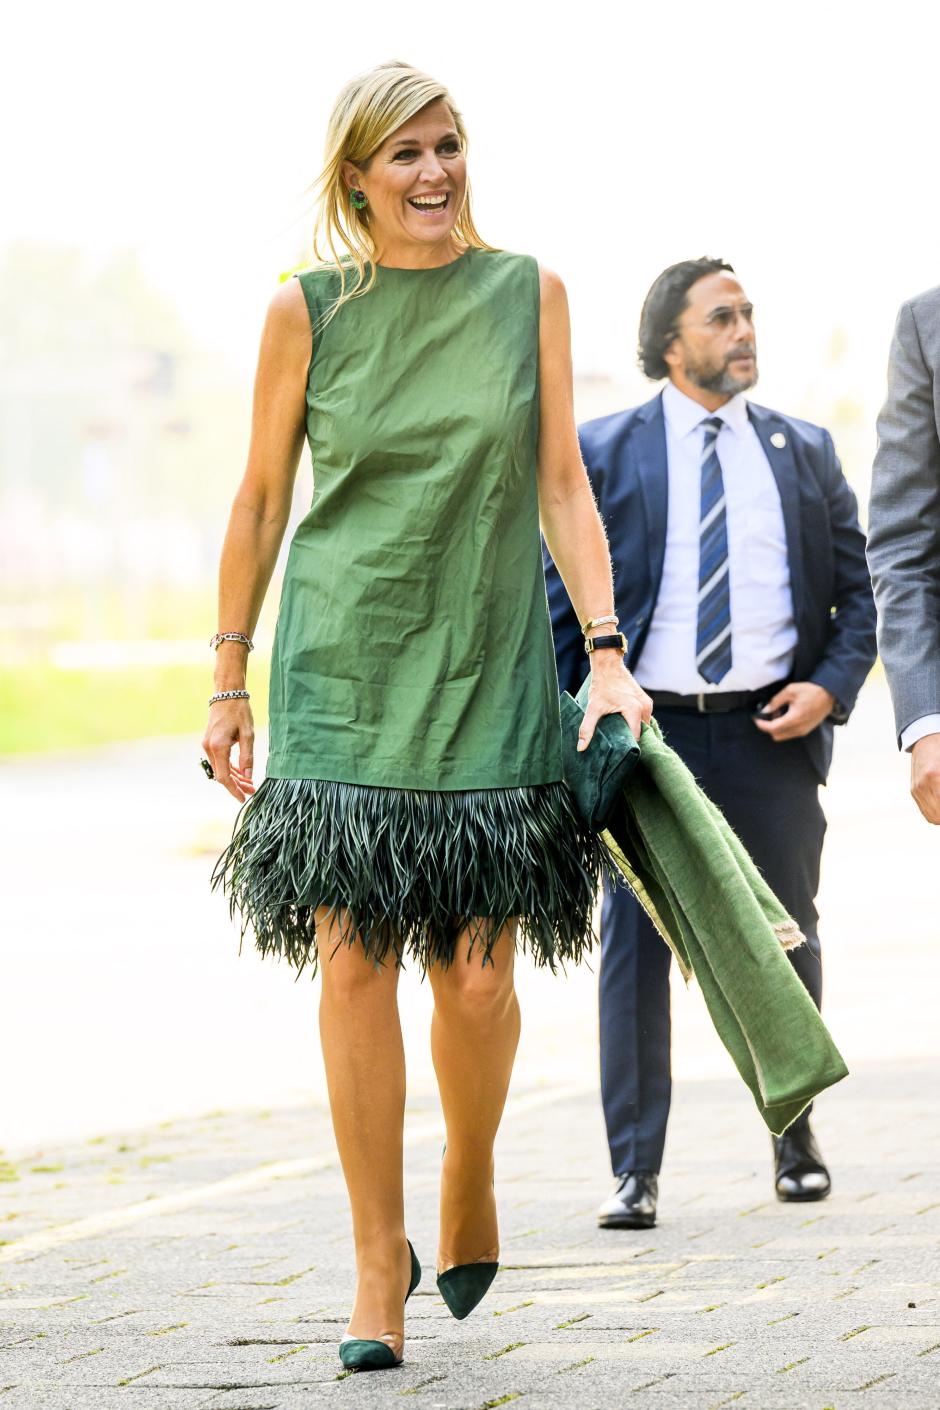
700, 703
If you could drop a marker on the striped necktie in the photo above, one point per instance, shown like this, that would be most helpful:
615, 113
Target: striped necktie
713, 633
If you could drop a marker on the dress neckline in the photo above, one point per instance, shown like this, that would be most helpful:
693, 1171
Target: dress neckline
430, 269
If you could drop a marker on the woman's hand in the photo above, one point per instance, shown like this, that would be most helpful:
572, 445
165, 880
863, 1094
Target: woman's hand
613, 692
230, 723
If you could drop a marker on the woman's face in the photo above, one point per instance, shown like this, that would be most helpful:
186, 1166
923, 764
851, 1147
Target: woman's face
416, 182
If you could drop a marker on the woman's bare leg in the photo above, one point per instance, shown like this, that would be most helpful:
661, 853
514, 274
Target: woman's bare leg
474, 1036
365, 1071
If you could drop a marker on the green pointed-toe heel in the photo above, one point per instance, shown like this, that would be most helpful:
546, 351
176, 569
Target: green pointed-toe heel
358, 1354
361, 1354
466, 1284
463, 1286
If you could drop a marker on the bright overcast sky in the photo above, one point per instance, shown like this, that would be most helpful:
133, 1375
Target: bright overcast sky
799, 141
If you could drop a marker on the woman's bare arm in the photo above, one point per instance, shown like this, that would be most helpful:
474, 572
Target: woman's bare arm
570, 521
257, 522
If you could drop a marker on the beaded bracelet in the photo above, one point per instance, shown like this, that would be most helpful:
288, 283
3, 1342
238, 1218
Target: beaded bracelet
231, 636
610, 620
229, 695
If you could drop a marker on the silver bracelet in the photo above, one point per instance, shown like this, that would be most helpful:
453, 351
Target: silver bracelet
231, 636
229, 695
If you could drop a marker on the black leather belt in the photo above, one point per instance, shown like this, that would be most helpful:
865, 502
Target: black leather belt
715, 702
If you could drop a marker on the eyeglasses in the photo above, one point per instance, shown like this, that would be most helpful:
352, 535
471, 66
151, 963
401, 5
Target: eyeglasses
725, 317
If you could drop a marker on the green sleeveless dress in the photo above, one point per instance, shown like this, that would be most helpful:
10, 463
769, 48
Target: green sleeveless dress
413, 782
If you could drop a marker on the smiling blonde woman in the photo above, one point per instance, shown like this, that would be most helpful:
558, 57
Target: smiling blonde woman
413, 804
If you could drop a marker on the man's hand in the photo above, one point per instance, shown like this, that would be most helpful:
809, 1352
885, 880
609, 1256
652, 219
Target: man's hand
925, 776
806, 706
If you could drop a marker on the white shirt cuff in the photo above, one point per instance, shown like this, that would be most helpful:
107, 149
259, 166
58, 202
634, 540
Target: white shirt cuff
927, 724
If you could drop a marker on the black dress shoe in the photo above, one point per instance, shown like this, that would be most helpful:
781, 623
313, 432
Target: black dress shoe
799, 1172
633, 1204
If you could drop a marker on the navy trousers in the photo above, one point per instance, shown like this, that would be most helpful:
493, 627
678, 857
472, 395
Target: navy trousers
770, 795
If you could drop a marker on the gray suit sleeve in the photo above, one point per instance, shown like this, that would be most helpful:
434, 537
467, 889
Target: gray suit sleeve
904, 527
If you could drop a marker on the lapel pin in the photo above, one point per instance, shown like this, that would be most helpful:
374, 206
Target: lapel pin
778, 439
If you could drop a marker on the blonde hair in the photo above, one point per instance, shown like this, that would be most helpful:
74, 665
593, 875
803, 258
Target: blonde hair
366, 113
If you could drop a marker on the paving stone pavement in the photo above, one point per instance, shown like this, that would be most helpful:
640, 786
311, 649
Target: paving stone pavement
207, 1263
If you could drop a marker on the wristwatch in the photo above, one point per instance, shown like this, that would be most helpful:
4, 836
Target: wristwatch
616, 641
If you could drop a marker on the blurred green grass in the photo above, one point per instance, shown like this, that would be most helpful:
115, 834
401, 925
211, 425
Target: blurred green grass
43, 707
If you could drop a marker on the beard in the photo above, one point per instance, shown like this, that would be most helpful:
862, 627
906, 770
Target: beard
722, 378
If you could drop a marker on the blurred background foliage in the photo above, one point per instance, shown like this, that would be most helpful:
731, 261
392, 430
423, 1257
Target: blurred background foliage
121, 441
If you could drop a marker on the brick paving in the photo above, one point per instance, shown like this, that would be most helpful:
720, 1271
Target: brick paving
207, 1263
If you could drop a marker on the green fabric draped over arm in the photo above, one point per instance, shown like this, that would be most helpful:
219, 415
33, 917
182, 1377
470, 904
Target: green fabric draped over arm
702, 891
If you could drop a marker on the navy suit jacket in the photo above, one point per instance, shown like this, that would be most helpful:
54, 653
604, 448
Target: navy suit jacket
625, 455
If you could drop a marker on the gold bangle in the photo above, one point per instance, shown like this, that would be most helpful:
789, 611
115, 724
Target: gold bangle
610, 620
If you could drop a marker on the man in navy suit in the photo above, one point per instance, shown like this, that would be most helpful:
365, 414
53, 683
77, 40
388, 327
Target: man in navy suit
742, 587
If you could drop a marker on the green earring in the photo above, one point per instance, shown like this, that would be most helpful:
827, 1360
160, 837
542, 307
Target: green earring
358, 199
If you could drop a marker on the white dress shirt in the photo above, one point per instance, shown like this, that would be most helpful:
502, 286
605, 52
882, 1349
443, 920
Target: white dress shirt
763, 631
927, 724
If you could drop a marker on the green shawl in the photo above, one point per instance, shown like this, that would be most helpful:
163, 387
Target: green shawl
697, 883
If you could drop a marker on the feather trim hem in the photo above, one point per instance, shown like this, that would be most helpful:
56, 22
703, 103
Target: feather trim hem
408, 872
